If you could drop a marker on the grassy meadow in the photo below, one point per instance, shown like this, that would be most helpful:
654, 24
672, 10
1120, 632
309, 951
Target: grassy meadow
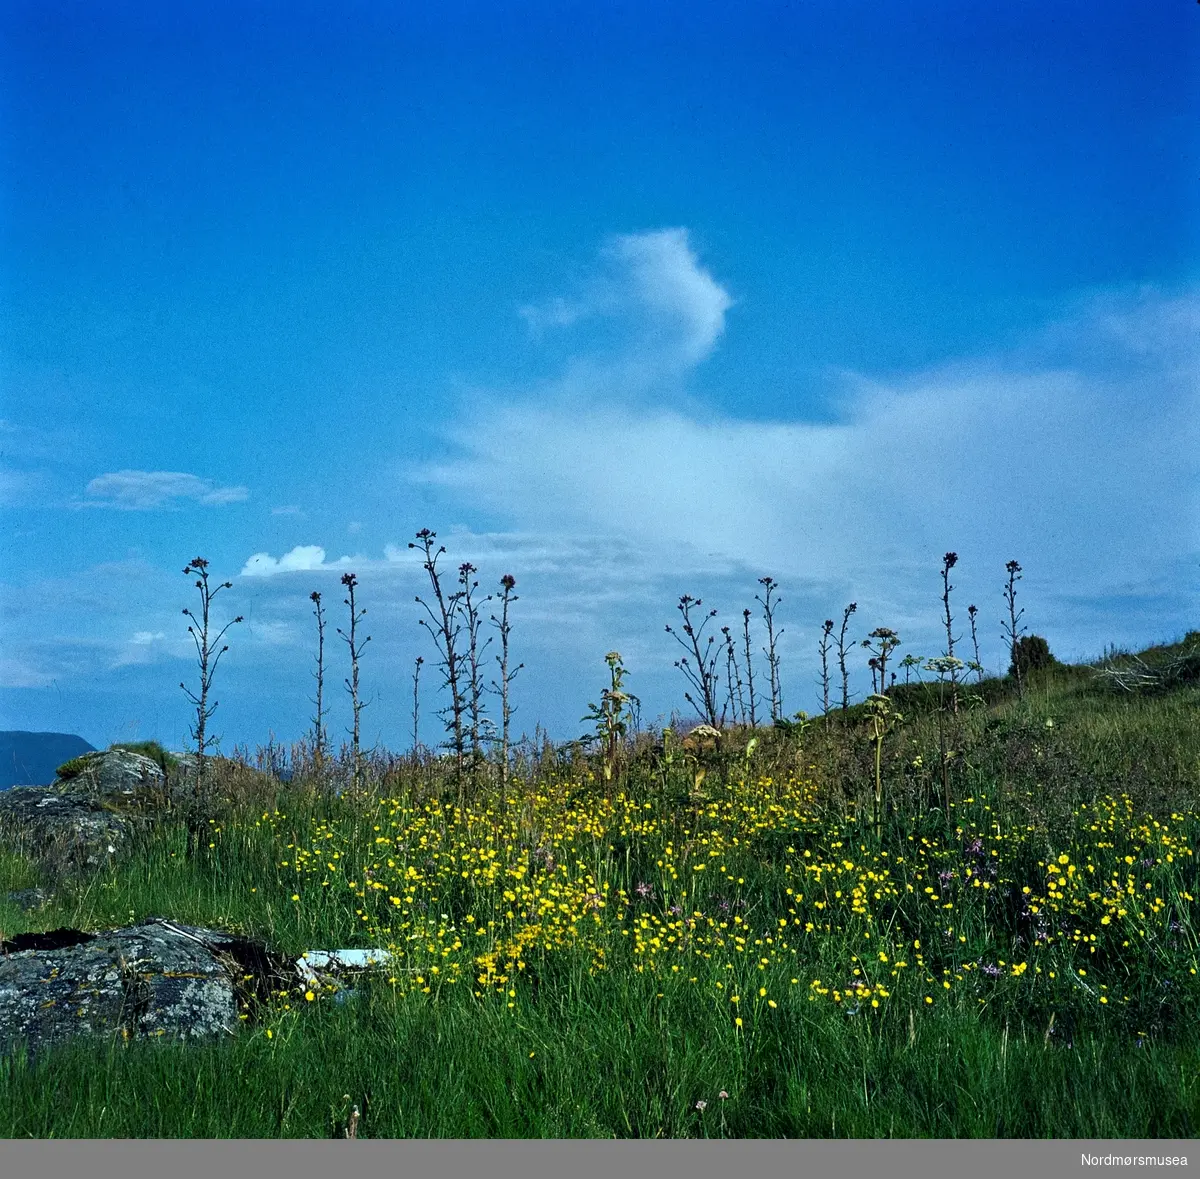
738, 936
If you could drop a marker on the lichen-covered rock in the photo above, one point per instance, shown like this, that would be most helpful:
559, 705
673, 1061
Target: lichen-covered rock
155, 979
114, 774
66, 830
29, 899
83, 821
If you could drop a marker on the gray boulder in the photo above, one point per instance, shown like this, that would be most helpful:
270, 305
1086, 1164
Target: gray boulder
29, 900
81, 822
154, 979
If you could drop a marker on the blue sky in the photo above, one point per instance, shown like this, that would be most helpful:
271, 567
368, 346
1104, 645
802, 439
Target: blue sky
629, 301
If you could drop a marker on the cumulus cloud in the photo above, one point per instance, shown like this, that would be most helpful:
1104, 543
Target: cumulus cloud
302, 557
143, 490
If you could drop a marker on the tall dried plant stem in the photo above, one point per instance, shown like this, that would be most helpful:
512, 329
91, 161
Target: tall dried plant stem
1013, 629
971, 612
823, 648
475, 707
507, 585
318, 729
749, 669
948, 563
842, 655
416, 705
209, 656
703, 677
350, 581
444, 627
771, 586
733, 679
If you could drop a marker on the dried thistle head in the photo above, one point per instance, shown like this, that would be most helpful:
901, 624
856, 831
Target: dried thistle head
508, 581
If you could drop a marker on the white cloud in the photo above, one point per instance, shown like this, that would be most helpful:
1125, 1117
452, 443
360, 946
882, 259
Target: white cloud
16, 673
287, 510
670, 306
556, 313
1077, 453
144, 646
302, 557
668, 281
143, 490
273, 633
15, 486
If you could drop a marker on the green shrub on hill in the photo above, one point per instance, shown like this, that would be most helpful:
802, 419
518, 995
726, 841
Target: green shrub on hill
1031, 653
74, 767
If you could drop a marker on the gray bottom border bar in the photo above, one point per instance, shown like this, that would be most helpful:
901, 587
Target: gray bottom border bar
296, 1159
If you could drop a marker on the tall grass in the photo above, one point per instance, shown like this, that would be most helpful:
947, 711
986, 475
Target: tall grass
769, 948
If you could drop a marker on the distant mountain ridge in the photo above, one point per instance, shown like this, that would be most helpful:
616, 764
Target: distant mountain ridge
30, 759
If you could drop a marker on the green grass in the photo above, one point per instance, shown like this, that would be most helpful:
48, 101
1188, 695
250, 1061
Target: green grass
605, 1062
554, 1047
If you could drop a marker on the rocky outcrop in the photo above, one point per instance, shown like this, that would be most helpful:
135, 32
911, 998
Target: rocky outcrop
80, 823
29, 900
157, 979
154, 979
83, 821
